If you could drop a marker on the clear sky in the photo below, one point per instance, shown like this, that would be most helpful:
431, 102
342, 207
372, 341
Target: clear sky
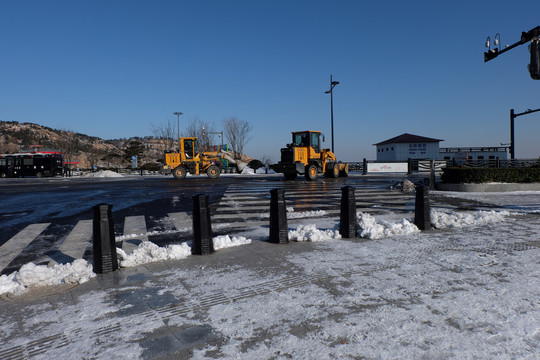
113, 68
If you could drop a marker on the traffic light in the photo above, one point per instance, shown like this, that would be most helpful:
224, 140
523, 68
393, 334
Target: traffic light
534, 66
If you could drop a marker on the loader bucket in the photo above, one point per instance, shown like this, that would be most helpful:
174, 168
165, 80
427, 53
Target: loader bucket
343, 169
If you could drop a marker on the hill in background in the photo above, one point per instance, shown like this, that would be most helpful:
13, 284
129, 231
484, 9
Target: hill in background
88, 151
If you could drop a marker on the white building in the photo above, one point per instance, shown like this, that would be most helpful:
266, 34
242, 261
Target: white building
408, 146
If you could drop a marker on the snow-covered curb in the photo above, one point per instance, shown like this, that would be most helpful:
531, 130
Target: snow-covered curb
31, 275
80, 271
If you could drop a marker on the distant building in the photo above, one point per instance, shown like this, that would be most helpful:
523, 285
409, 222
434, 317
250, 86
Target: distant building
474, 153
408, 146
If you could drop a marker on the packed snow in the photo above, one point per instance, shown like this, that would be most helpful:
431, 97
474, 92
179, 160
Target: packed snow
467, 289
371, 228
80, 271
311, 233
103, 174
31, 275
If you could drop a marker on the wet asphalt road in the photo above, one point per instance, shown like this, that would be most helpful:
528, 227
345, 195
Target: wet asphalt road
65, 201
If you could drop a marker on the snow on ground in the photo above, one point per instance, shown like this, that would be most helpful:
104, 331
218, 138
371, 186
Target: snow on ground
292, 214
469, 290
31, 275
80, 271
311, 233
524, 201
103, 174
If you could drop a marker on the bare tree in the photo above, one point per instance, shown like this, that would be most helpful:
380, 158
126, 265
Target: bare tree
70, 145
165, 133
202, 131
237, 134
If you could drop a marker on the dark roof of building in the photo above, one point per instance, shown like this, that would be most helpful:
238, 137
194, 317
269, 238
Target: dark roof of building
408, 138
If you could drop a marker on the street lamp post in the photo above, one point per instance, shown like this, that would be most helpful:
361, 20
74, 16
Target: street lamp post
215, 133
512, 142
331, 92
178, 115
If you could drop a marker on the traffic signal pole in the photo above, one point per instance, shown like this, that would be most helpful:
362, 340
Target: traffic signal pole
512, 142
525, 37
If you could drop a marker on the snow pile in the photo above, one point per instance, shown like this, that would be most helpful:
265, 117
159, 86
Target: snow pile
103, 174
291, 214
305, 214
370, 228
262, 170
311, 233
31, 275
148, 252
225, 241
247, 171
441, 220
152, 233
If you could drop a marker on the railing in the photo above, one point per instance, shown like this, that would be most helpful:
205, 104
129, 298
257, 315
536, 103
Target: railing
424, 166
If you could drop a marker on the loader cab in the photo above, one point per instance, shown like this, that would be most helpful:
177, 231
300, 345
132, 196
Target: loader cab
307, 139
189, 147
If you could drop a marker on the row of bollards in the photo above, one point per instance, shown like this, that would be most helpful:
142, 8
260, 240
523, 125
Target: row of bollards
104, 243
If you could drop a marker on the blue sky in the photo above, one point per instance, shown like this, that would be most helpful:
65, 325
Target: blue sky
113, 68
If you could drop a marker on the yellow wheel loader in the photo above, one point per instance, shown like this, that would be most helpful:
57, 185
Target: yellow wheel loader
189, 159
305, 156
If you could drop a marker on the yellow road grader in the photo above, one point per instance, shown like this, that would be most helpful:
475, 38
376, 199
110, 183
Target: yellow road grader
189, 159
305, 156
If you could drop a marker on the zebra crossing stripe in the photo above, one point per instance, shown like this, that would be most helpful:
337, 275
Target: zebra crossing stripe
134, 225
181, 220
17, 243
75, 243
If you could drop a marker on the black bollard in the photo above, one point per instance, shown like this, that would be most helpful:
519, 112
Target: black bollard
202, 228
104, 243
348, 226
422, 218
364, 166
279, 232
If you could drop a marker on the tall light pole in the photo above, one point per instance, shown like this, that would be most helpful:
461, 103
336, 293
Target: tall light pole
331, 92
178, 115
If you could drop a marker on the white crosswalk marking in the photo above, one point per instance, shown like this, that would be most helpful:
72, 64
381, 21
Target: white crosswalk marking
14, 246
241, 207
134, 225
75, 243
181, 220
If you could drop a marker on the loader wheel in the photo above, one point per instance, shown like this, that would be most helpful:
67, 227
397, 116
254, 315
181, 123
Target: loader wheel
213, 172
332, 171
311, 172
290, 176
345, 171
179, 172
